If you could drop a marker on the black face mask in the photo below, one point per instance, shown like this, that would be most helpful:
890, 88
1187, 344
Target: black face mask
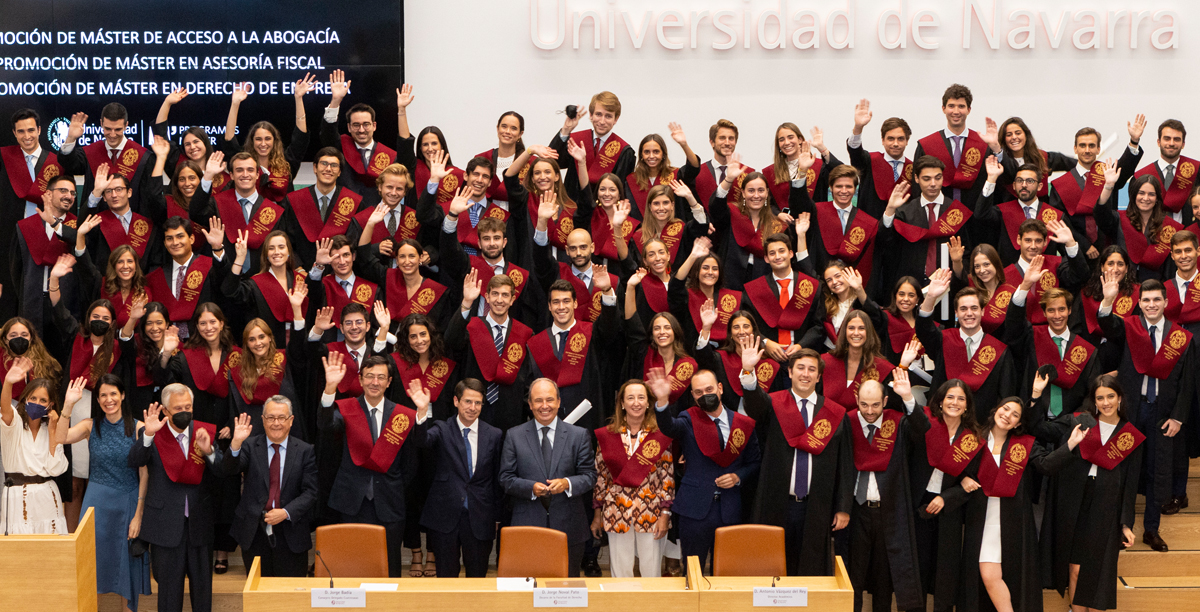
181, 420
709, 402
98, 327
18, 346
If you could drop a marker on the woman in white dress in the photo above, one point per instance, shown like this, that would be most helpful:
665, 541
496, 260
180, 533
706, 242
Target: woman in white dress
30, 502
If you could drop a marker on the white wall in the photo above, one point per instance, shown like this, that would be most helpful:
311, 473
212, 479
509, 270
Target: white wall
471, 60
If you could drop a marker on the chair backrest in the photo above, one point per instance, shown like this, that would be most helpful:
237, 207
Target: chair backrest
532, 551
353, 550
749, 550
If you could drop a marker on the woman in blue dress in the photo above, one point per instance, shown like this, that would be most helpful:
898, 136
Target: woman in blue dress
115, 490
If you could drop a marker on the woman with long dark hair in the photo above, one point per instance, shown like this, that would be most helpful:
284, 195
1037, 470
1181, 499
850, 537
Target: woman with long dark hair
654, 168
788, 166
278, 294
19, 338
1084, 317
697, 281
986, 273
659, 345
141, 349
115, 490
30, 501
752, 219
194, 145
510, 129
1145, 228
277, 166
857, 357
1017, 147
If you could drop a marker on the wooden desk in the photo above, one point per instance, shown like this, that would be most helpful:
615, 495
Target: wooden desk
735, 593
65, 568
262, 594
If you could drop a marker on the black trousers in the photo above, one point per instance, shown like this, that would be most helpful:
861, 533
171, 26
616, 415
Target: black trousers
172, 564
793, 534
276, 558
446, 546
868, 545
395, 535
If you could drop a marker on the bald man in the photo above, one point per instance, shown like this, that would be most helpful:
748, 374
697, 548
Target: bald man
883, 546
573, 264
547, 469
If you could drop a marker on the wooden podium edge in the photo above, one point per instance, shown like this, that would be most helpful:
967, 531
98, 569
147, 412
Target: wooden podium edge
84, 540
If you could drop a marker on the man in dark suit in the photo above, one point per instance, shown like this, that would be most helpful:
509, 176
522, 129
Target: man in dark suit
279, 491
122, 154
188, 279
36, 248
467, 467
807, 482
1158, 363
376, 464
178, 521
960, 150
547, 469
721, 451
1086, 186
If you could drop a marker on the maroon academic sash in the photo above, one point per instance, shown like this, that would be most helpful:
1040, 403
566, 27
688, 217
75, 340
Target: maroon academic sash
1081, 201
208, 381
604, 160
670, 235
856, 246
882, 173
266, 384
497, 190
124, 307
680, 374
433, 378
1141, 252
708, 439
175, 209
747, 237
949, 223
363, 292
377, 456
631, 471
997, 306
655, 292
160, 284
398, 301
812, 439
767, 302
1044, 188
187, 470
406, 228
1145, 360
967, 171
501, 369
1109, 455
588, 301
141, 371
976, 371
726, 303
484, 272
343, 205
874, 456
558, 227
127, 161
708, 182
261, 224
381, 158
951, 459
638, 195
18, 173
1176, 194
1075, 356
834, 377
1014, 216
569, 371
82, 356
351, 385
765, 372
272, 185
1049, 280
1183, 311
275, 296
782, 190
900, 333
1123, 307
42, 250
114, 232
602, 233
466, 232
1003, 480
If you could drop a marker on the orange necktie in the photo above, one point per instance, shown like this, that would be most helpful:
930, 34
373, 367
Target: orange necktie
785, 336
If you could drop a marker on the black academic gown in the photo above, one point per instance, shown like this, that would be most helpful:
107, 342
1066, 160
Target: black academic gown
510, 409
1001, 383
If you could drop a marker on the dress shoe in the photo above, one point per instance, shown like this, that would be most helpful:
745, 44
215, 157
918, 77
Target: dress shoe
1175, 505
1153, 541
672, 568
591, 568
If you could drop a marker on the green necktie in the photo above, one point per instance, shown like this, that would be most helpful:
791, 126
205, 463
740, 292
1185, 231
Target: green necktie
1056, 404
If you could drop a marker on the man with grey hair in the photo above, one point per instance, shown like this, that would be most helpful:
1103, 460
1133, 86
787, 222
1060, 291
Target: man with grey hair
547, 468
279, 493
178, 520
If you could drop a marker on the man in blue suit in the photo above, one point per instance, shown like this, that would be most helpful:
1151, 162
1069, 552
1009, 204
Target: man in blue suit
721, 451
547, 469
467, 466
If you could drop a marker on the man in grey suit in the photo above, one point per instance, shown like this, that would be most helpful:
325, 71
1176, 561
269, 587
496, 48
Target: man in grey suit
548, 467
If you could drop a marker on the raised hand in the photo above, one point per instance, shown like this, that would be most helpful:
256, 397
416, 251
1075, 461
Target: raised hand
63, 266
853, 278
437, 167
383, 316
659, 384
751, 354
1111, 172
939, 283
75, 391
862, 115
242, 245
160, 146
542, 152
817, 139
681, 190
214, 166
620, 214
677, 133
151, 418
88, 225
404, 95
75, 130
806, 159
215, 234
296, 295
900, 381
570, 124
701, 248
1060, 232
1040, 382
203, 442
956, 248
177, 96
708, 314
899, 196
137, 309
1110, 285
419, 396
635, 279
324, 320
461, 201
576, 151
240, 92
378, 213
548, 206
241, 430
171, 340
102, 180
991, 134
335, 369
325, 245
304, 85
994, 169
1136, 127
338, 86
1033, 274
472, 287
1077, 435
733, 168
600, 278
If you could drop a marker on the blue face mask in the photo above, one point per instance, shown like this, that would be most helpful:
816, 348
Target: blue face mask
36, 412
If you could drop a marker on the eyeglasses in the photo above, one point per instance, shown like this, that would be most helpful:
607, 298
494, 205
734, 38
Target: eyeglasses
362, 126
276, 419
1025, 181
329, 165
375, 377
64, 191
114, 190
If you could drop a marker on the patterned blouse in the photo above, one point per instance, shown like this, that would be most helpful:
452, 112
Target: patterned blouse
639, 507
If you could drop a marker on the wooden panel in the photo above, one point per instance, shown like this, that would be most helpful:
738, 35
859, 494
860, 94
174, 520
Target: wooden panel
735, 593
72, 583
1150, 563
1180, 532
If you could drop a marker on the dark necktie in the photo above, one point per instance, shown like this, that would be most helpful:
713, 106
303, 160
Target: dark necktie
374, 425
1170, 176
802, 459
721, 179
113, 155
720, 432
561, 345
273, 491
896, 169
931, 250
391, 223
470, 466
493, 388
860, 491
324, 207
1152, 382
